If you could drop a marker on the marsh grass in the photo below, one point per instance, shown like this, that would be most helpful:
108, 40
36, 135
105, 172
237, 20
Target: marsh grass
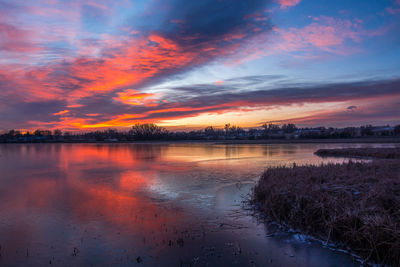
355, 205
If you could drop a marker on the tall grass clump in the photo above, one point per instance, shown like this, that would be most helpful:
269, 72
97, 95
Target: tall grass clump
355, 205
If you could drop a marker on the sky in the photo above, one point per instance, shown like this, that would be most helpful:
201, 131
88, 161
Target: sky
88, 65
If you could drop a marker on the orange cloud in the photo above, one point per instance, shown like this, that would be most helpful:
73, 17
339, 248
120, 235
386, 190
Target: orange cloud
75, 106
129, 64
126, 64
133, 97
117, 121
61, 112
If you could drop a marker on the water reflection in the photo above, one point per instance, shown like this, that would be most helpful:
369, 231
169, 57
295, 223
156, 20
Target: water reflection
107, 204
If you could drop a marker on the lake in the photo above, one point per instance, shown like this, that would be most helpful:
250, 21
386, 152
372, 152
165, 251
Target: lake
154, 204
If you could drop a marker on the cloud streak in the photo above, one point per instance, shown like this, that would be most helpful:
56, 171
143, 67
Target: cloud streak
209, 98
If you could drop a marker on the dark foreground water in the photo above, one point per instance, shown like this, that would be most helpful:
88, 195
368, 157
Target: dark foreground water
145, 204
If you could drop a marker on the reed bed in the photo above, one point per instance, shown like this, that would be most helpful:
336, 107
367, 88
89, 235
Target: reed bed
353, 205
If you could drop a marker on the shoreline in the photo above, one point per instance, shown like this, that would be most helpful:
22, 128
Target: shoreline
380, 140
373, 153
318, 141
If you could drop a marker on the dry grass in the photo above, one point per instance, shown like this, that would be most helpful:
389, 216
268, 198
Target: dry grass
355, 205
381, 153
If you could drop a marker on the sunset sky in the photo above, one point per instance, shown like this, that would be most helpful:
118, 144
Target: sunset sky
86, 65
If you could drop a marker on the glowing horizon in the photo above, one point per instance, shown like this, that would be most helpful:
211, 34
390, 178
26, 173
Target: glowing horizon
86, 65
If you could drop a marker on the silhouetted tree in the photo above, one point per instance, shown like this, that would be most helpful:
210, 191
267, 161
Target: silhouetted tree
210, 132
367, 130
270, 129
148, 131
227, 126
11, 133
289, 128
57, 133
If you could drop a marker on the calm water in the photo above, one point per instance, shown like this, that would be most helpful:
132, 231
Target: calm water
169, 204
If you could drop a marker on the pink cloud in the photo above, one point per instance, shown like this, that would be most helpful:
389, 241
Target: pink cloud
323, 37
324, 33
392, 10
252, 16
288, 3
178, 21
14, 39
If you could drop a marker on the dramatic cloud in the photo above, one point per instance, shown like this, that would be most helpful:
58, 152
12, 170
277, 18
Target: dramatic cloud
104, 111
94, 64
231, 95
158, 50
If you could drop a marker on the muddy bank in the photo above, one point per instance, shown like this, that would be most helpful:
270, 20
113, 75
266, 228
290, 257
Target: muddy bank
355, 205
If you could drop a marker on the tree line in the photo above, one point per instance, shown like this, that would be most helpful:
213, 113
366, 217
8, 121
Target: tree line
150, 131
